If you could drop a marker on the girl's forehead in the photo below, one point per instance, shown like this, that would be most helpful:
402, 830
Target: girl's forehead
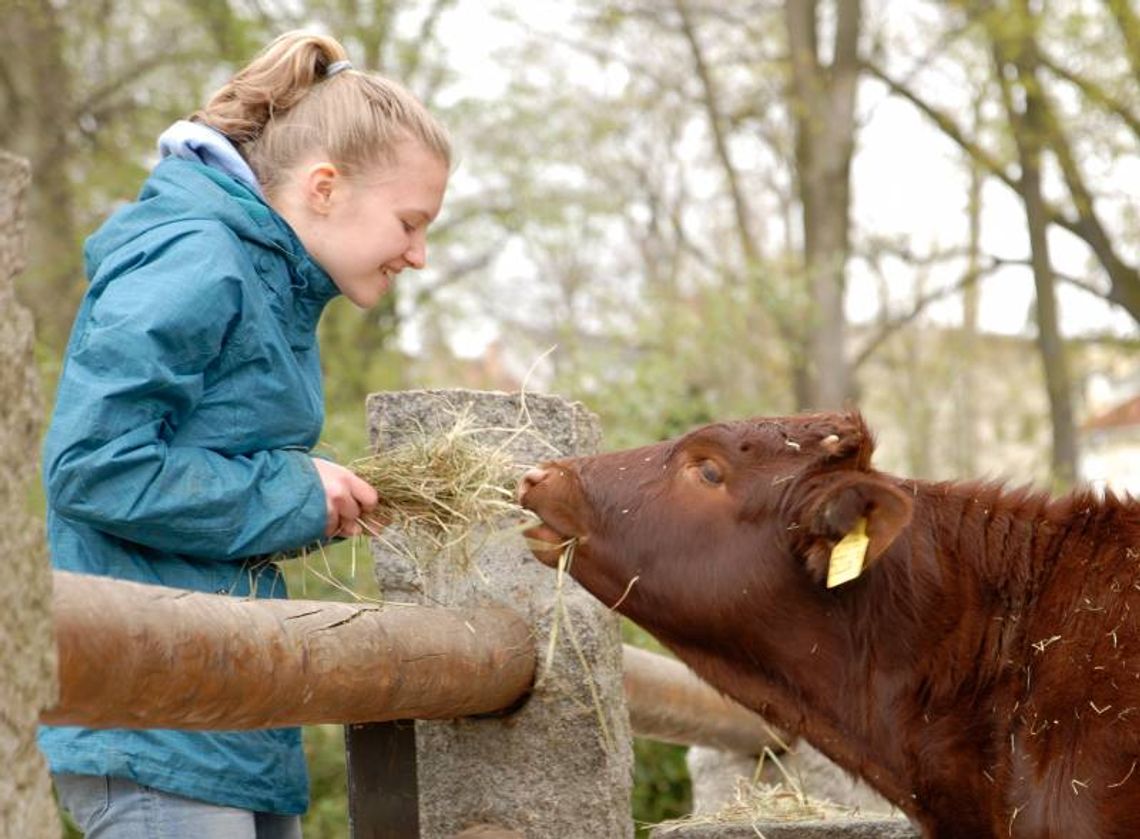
416, 180
410, 159
414, 191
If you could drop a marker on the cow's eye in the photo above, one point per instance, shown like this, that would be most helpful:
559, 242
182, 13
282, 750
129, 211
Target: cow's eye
710, 472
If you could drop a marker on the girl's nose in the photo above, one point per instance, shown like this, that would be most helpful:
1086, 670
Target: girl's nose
416, 254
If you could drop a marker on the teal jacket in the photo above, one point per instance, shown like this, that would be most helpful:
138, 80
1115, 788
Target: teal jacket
177, 453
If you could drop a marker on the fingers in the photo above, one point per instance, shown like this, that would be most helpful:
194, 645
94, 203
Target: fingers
348, 498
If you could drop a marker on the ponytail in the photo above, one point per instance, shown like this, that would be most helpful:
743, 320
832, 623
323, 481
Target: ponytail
286, 103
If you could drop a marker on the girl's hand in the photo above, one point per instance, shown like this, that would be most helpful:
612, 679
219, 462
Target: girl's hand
347, 498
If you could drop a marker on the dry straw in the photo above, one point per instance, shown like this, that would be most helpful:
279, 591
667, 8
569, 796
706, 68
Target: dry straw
443, 492
756, 803
443, 495
562, 616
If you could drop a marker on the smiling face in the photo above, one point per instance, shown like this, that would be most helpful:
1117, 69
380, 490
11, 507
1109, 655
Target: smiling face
365, 229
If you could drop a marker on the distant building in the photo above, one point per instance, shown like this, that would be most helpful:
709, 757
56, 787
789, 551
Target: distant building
1110, 448
948, 404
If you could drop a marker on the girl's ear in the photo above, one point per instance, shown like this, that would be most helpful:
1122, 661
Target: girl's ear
849, 506
319, 181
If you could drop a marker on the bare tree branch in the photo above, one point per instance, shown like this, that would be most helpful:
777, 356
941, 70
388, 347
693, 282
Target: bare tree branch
891, 325
426, 34
1095, 93
94, 99
1128, 22
1125, 279
712, 107
946, 124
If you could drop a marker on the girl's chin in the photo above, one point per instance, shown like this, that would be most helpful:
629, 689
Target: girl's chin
366, 298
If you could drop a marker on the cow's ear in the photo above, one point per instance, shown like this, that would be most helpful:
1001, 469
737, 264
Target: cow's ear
856, 515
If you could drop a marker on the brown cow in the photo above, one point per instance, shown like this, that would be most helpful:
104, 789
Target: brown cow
982, 672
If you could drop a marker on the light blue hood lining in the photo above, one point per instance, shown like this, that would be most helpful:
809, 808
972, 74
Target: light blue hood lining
202, 144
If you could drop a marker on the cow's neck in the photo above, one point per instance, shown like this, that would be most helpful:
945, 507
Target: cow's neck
815, 697
824, 718
907, 639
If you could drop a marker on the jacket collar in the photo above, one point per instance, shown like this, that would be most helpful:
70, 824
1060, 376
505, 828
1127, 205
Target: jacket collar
311, 286
212, 151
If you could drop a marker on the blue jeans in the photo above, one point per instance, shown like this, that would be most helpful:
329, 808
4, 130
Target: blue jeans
115, 808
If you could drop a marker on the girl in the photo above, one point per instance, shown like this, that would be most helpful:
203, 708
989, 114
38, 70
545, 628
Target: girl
191, 395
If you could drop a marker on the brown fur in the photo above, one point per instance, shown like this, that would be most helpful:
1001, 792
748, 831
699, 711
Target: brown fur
983, 673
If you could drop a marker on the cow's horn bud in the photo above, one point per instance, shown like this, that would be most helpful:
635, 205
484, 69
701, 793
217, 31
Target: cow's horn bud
830, 443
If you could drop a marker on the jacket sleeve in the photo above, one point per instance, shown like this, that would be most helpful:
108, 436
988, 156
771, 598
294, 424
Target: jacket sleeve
136, 367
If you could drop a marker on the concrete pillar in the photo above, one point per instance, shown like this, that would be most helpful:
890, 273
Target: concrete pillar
26, 806
561, 766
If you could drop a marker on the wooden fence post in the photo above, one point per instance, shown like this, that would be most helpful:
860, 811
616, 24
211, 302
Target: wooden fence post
561, 766
382, 756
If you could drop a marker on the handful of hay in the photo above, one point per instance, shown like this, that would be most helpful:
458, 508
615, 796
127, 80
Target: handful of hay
441, 490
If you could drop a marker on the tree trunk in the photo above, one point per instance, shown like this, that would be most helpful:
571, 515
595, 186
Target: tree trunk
823, 106
1014, 49
34, 59
966, 421
28, 684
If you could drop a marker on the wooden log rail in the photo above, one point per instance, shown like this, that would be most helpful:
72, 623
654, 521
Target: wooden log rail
143, 656
668, 702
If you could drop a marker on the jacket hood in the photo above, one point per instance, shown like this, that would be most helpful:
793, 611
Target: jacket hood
201, 143
180, 190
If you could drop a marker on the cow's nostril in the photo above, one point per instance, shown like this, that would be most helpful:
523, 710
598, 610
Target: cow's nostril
531, 479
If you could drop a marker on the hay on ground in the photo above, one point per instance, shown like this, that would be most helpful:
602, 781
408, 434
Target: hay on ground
756, 803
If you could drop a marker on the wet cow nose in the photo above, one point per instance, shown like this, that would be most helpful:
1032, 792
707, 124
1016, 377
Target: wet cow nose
530, 480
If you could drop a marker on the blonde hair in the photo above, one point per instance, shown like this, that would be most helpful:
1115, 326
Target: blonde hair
283, 105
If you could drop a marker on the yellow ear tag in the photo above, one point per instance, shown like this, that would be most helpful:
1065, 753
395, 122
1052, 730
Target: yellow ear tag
847, 556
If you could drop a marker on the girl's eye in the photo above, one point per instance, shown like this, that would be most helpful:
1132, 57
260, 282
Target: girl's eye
407, 227
710, 472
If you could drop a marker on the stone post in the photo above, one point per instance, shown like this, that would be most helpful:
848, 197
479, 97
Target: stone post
560, 767
26, 651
